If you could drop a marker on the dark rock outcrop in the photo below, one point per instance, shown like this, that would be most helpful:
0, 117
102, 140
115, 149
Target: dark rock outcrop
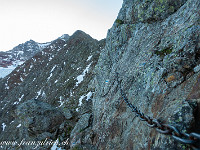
39, 117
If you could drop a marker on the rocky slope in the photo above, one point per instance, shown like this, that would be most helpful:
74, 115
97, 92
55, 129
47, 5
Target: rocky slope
44, 97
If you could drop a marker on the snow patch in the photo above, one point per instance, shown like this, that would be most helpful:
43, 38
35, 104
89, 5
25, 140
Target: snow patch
39, 93
21, 79
3, 126
15, 103
71, 94
9, 69
43, 94
80, 100
61, 101
19, 125
51, 72
80, 77
21, 97
43, 45
6, 86
89, 95
43, 53
12, 122
53, 68
50, 76
5, 71
34, 60
31, 66
4, 106
89, 58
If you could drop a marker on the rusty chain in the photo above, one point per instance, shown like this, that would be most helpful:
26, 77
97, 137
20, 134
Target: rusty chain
193, 139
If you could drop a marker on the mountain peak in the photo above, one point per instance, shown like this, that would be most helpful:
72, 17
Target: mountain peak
64, 37
80, 34
30, 41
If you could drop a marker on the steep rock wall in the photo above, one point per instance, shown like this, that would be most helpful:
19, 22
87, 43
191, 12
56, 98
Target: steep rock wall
155, 47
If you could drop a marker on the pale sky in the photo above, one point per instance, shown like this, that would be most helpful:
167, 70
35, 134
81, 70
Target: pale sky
46, 20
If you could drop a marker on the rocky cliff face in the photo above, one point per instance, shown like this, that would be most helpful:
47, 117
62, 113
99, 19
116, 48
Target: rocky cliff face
154, 45
67, 92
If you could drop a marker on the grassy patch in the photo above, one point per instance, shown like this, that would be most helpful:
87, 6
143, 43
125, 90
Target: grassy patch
69, 129
118, 21
163, 52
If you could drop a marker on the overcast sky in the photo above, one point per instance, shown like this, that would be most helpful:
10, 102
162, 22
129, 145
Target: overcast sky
45, 20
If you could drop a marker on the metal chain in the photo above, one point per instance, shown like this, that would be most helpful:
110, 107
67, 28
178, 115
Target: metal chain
193, 139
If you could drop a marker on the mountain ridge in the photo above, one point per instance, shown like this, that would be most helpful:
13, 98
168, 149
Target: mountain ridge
19, 54
56, 78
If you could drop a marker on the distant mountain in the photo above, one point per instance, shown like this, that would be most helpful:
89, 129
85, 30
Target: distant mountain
64, 37
12, 58
25, 51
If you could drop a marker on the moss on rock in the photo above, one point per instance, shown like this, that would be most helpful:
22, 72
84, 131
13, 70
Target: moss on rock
164, 52
118, 21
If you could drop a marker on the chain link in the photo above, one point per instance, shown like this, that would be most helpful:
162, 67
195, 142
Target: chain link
193, 139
